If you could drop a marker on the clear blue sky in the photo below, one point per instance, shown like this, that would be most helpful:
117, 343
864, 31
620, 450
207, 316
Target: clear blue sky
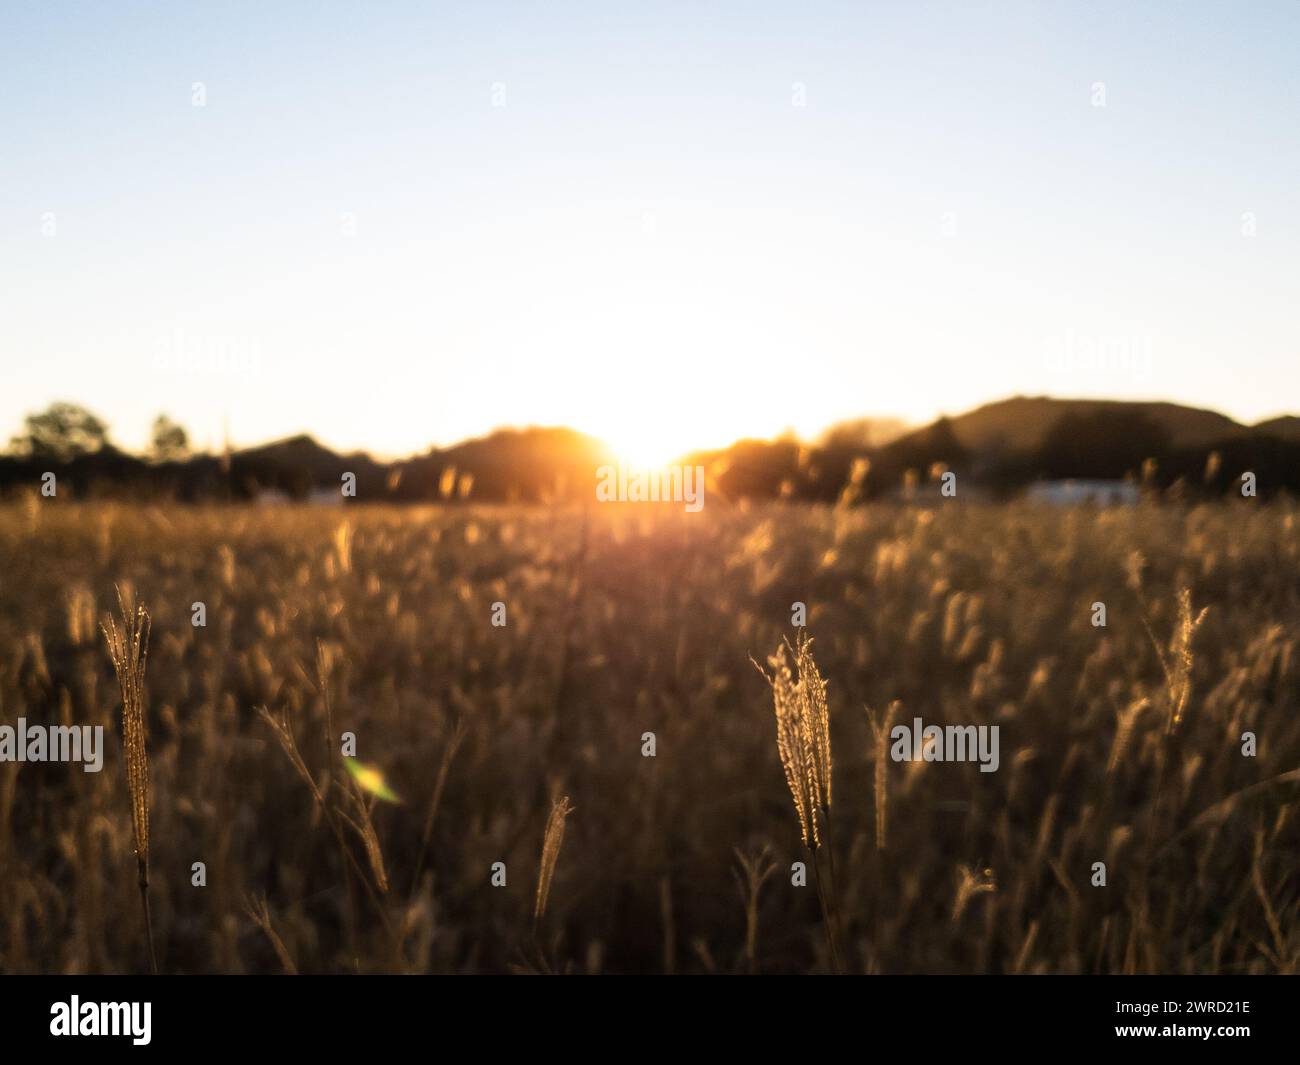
687, 222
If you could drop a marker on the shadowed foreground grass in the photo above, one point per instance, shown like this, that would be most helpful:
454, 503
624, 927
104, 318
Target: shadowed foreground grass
625, 620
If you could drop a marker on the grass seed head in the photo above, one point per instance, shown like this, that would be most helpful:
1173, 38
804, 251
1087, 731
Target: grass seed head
551, 843
128, 649
803, 738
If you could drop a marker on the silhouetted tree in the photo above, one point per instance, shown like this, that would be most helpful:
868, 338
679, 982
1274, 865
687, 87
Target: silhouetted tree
62, 432
169, 442
1101, 444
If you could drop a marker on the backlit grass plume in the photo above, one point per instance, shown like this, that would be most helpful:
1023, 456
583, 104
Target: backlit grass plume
803, 738
128, 649
1178, 666
551, 843
1177, 661
880, 734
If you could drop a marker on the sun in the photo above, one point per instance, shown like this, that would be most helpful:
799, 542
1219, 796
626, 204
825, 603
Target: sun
650, 417
651, 441
645, 447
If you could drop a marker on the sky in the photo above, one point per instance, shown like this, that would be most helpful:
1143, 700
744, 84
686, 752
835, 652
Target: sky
671, 225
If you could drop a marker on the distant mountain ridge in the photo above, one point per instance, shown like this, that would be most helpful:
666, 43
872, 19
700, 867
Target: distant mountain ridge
1017, 425
1000, 446
1286, 427
524, 465
1021, 424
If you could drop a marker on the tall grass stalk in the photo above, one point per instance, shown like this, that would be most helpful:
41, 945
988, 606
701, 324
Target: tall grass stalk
755, 869
803, 741
128, 649
449, 750
552, 840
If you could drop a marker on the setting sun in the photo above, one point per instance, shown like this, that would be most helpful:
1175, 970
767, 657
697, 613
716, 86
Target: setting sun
647, 446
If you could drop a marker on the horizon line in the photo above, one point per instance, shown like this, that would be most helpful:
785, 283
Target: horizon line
905, 426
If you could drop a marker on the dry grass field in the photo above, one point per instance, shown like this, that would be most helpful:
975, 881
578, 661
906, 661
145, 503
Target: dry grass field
623, 620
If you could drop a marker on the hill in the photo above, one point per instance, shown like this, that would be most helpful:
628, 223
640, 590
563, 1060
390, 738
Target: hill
1000, 446
1286, 427
525, 465
1020, 425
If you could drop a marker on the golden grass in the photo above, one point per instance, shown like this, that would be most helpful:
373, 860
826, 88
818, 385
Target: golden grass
803, 742
802, 733
552, 840
880, 761
128, 649
1115, 748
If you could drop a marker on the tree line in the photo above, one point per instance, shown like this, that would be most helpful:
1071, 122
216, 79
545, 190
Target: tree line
541, 465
